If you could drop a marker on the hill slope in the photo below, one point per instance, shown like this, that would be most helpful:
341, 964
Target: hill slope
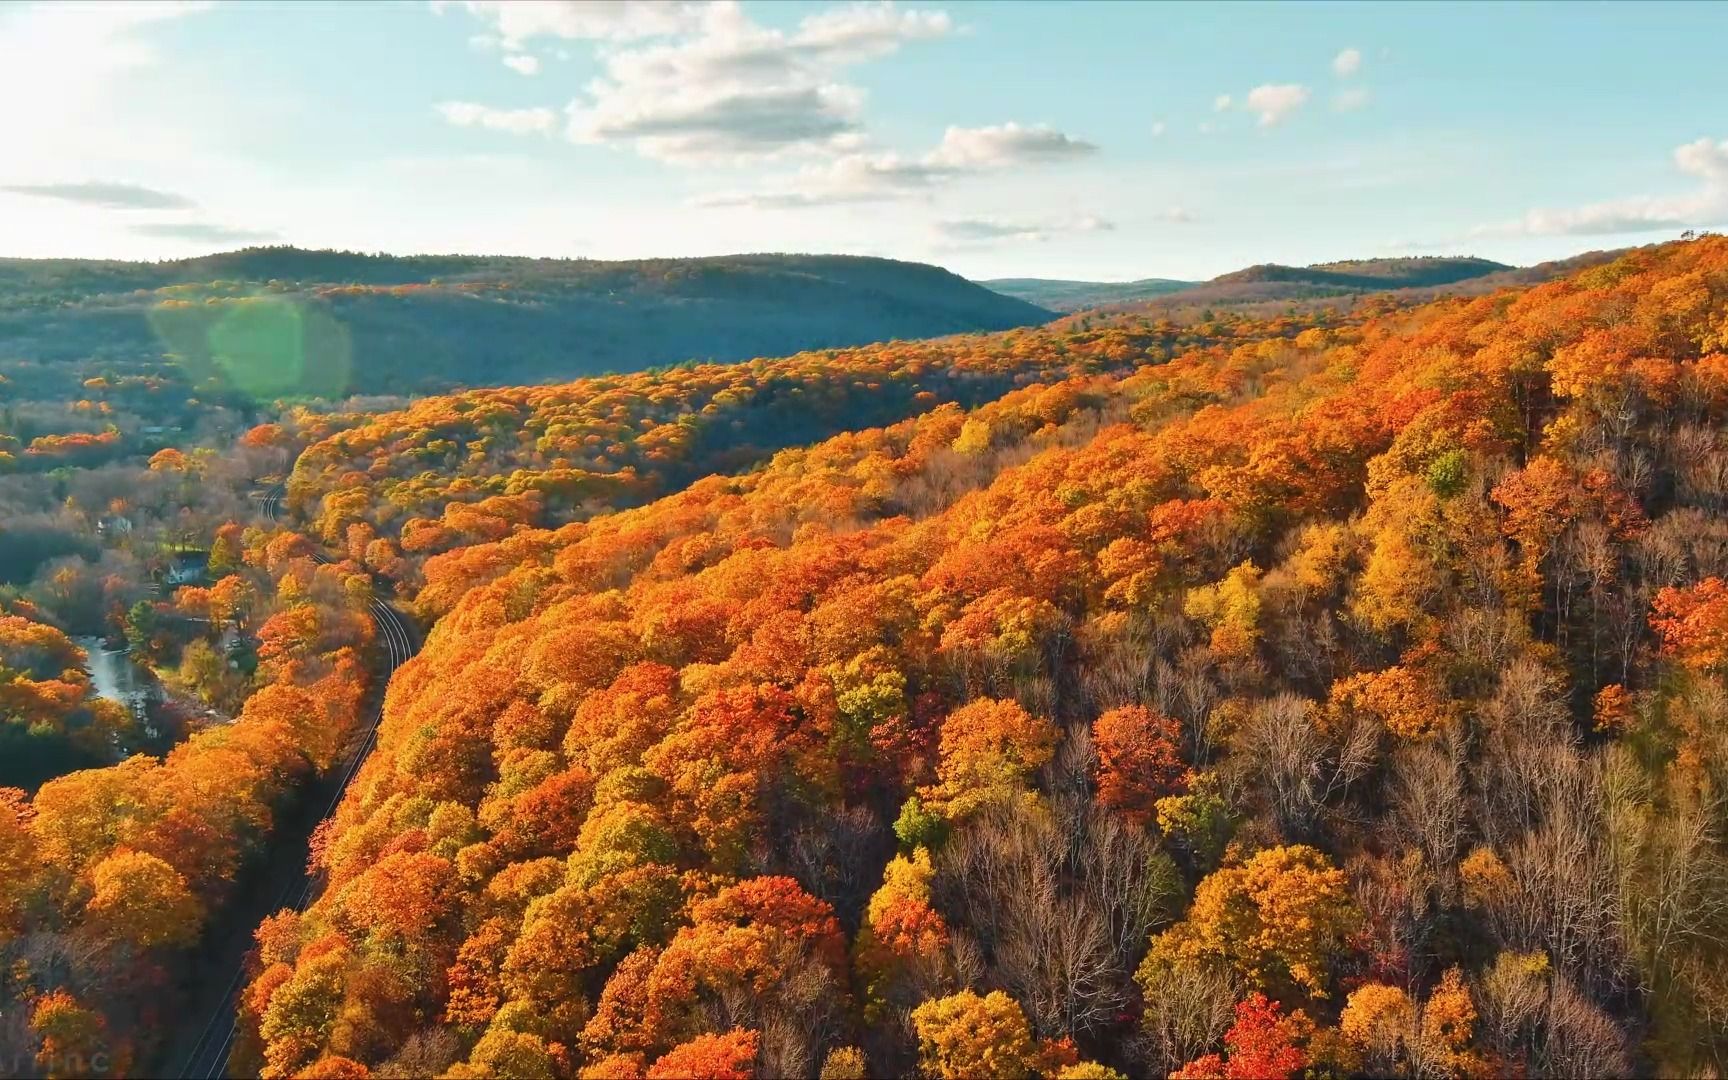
1273, 281
1060, 295
1256, 666
1366, 273
283, 321
1367, 666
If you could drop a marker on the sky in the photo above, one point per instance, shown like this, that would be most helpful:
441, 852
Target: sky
1107, 141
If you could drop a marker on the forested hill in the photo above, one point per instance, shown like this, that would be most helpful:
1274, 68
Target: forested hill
379, 323
1337, 693
1346, 701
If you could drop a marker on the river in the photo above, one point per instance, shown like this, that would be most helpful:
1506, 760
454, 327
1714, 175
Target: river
117, 678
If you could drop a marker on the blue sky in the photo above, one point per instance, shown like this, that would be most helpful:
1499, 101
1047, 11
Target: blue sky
1105, 141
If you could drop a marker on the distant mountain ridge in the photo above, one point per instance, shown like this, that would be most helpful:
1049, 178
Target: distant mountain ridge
423, 323
1261, 282
1061, 295
1267, 287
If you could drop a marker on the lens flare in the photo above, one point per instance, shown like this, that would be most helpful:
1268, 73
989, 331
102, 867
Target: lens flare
267, 347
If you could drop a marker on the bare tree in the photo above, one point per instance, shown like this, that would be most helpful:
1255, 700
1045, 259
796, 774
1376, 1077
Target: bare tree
1565, 900
800, 1020
426, 1053
1286, 755
1429, 807
1531, 1014
1188, 1009
806, 1021
1059, 903
839, 858
1528, 742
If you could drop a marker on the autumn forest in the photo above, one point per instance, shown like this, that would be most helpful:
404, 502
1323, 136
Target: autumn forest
1315, 685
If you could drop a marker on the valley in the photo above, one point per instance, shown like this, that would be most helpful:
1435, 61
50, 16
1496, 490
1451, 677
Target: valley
1081, 295
722, 540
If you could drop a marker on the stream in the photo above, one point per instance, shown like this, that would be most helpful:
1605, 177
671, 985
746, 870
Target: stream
118, 679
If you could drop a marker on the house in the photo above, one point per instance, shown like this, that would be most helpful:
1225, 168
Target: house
185, 567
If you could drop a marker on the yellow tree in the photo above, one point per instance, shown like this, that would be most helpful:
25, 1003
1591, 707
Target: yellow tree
964, 1035
1277, 919
74, 1039
1379, 1022
989, 750
904, 940
20, 866
1232, 609
140, 899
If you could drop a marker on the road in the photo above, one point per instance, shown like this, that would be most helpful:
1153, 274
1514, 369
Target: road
201, 1050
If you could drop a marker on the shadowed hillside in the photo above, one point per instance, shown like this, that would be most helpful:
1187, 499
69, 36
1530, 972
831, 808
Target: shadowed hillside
288, 322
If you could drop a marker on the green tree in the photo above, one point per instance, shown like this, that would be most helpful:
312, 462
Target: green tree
140, 626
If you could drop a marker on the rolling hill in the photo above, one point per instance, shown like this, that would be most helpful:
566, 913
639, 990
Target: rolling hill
287, 322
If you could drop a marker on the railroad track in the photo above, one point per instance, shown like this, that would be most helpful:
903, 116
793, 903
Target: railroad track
208, 1058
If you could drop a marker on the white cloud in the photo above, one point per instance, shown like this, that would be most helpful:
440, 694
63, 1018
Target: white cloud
853, 178
1707, 206
863, 31
510, 121
1204, 127
1704, 159
990, 230
861, 177
515, 22
736, 89
698, 82
1275, 101
200, 232
522, 64
109, 195
1006, 144
1158, 128
1347, 63
1629, 215
732, 49
1350, 100
789, 199
694, 125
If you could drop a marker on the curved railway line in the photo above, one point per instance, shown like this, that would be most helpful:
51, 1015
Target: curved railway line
207, 1058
